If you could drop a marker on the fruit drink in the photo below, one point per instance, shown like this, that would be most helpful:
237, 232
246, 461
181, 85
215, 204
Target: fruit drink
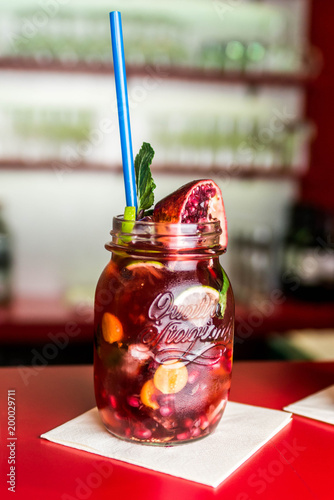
164, 319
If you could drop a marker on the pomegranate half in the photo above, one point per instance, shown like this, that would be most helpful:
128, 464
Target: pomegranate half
195, 202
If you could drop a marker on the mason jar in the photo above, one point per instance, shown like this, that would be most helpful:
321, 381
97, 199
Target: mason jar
163, 332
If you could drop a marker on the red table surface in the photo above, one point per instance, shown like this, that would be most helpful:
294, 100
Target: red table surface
296, 463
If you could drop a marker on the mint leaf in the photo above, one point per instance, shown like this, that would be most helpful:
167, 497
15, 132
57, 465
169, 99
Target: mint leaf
144, 180
223, 294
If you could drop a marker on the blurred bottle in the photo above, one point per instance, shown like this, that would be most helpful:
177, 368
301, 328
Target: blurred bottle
5, 262
308, 261
254, 258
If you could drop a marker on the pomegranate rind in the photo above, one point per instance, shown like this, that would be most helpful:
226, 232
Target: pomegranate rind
172, 207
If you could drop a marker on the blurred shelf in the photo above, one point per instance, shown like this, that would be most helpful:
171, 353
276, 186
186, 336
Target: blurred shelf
158, 71
50, 164
31, 320
240, 171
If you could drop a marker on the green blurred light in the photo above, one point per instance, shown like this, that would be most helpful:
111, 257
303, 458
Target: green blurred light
255, 51
234, 50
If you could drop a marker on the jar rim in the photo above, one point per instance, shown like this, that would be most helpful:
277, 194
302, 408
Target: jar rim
148, 223
145, 236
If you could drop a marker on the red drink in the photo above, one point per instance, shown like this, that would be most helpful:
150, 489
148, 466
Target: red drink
164, 317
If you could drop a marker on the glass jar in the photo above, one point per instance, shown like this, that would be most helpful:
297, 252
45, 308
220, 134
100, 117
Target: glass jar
164, 322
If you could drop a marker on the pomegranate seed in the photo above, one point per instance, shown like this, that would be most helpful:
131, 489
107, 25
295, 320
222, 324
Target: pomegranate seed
127, 432
183, 436
166, 411
113, 401
204, 422
188, 423
118, 416
197, 422
143, 433
198, 203
196, 431
133, 401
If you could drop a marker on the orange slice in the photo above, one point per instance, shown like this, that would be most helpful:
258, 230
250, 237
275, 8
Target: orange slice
147, 394
171, 377
112, 328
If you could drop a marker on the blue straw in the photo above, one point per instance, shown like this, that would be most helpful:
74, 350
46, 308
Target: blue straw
123, 108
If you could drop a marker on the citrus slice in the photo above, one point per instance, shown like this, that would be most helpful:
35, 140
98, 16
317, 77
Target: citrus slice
147, 395
147, 270
171, 377
112, 328
138, 265
197, 304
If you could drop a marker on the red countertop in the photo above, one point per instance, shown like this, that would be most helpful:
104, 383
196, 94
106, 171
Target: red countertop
296, 463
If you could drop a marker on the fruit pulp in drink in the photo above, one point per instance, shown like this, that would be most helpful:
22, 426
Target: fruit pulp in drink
163, 347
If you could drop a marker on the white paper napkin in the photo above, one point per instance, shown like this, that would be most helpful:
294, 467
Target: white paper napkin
241, 432
319, 406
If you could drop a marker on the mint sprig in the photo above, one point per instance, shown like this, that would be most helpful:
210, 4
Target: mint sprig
223, 294
144, 180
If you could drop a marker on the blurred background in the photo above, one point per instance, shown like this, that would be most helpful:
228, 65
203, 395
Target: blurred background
236, 90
